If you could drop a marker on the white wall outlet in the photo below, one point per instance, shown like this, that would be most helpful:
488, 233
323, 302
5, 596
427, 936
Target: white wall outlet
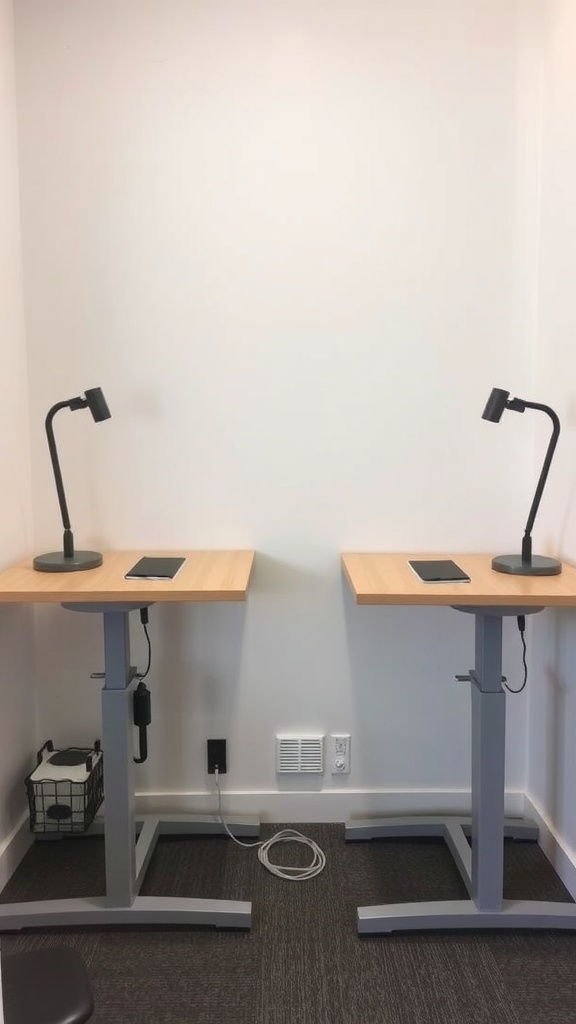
340, 754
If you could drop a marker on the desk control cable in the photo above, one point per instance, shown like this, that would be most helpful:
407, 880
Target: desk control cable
287, 835
521, 620
142, 710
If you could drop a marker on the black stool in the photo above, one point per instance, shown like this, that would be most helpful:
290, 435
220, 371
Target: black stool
46, 986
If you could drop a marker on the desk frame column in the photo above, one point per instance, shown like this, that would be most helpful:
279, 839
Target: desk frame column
117, 721
127, 858
488, 772
481, 863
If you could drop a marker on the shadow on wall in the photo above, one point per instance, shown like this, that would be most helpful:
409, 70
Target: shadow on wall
559, 725
18, 740
194, 685
412, 716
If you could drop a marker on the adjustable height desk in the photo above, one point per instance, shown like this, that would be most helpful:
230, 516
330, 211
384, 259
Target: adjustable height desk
205, 576
388, 579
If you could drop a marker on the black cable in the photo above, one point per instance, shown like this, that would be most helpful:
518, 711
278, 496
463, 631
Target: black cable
521, 620
141, 705
144, 621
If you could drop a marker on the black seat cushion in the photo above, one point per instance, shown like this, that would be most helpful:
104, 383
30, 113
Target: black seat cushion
46, 986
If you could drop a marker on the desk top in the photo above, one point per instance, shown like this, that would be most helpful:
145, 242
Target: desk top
378, 578
205, 576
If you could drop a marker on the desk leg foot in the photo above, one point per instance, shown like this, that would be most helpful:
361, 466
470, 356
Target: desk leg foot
463, 914
423, 826
206, 824
154, 910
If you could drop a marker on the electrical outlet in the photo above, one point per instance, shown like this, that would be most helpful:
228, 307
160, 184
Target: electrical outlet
340, 754
216, 750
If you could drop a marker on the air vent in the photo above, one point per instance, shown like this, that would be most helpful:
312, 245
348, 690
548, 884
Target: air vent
300, 754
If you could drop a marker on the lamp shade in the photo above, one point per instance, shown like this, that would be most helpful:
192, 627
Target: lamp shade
495, 405
97, 404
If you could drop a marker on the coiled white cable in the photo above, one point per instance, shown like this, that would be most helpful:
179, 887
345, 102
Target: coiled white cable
287, 835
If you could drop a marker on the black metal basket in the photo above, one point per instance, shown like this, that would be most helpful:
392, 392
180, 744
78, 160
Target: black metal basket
65, 789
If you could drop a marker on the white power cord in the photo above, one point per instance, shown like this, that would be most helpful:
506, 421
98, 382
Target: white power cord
287, 835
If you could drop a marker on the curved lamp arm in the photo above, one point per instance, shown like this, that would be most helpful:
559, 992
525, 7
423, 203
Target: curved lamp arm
68, 538
527, 539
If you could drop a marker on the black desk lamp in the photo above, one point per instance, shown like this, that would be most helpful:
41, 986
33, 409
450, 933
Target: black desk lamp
525, 564
69, 560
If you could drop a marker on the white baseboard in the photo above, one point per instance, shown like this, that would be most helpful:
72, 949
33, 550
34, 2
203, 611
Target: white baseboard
561, 857
14, 849
317, 806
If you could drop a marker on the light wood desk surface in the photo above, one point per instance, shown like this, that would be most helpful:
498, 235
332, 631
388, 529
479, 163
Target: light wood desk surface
205, 576
380, 578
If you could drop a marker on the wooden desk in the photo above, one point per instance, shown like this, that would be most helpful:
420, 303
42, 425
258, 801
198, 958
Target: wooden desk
377, 578
206, 576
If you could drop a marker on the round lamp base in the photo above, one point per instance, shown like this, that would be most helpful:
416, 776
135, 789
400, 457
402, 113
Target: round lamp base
539, 565
56, 561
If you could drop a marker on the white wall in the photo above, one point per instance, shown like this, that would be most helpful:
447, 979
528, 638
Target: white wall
284, 238
552, 726
17, 724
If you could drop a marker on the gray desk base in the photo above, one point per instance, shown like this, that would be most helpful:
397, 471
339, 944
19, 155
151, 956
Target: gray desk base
456, 914
481, 864
129, 845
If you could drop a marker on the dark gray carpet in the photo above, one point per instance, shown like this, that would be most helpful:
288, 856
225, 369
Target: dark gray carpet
303, 962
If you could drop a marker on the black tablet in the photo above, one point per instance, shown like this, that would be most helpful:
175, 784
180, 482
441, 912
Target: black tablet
442, 570
150, 568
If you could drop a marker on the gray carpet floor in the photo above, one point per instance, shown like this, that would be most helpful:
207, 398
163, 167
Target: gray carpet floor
303, 961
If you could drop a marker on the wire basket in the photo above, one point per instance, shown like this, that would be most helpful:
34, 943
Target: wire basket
65, 789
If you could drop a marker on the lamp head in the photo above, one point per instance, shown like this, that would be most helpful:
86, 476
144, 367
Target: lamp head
97, 404
495, 405
93, 400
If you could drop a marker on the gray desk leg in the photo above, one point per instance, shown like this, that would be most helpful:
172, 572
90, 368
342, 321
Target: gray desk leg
127, 858
488, 765
117, 736
480, 865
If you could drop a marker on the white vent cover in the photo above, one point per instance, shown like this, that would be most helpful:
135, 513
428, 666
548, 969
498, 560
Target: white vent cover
300, 754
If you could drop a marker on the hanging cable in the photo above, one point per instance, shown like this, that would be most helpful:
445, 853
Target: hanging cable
521, 620
144, 621
142, 707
